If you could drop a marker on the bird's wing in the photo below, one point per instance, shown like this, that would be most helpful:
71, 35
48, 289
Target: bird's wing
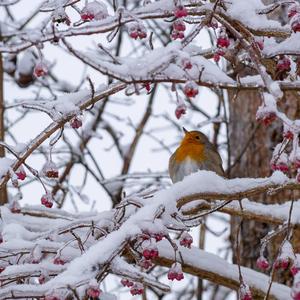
213, 160
173, 167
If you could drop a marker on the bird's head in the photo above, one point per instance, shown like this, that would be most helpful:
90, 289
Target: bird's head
194, 137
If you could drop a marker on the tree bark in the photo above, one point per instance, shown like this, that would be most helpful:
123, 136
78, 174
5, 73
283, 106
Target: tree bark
3, 192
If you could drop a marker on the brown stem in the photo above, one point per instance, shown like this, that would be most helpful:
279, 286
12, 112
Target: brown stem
3, 192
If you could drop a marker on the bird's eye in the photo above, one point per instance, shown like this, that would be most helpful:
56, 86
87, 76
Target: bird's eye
198, 137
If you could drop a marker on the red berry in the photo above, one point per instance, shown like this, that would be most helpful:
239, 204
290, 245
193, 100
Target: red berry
179, 25
284, 64
262, 263
137, 289
186, 240
145, 263
244, 292
295, 25
266, 117
150, 252
137, 30
180, 12
223, 42
47, 200
58, 261
191, 89
175, 272
216, 57
75, 122
282, 263
177, 35
158, 236
50, 170
147, 86
126, 282
21, 174
42, 279
40, 69
288, 135
180, 110
293, 10
186, 64
93, 292
295, 269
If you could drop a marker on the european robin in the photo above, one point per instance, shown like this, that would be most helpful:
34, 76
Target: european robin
195, 153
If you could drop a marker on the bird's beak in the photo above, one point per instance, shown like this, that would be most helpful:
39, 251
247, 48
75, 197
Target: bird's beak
184, 130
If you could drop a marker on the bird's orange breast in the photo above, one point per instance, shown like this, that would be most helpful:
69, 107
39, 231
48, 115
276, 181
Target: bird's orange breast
191, 150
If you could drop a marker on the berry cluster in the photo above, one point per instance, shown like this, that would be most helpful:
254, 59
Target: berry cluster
94, 11
93, 290
137, 30
191, 89
223, 43
178, 26
175, 272
47, 200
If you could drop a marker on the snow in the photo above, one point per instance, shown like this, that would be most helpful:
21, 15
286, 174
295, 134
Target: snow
104, 249
5, 165
208, 262
237, 9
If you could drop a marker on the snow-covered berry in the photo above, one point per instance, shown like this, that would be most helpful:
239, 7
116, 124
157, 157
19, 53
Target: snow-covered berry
40, 69
59, 261
180, 110
158, 236
50, 169
47, 200
137, 30
293, 9
190, 89
218, 54
179, 25
223, 42
295, 23
76, 122
283, 64
262, 263
244, 292
21, 174
288, 135
175, 272
145, 263
180, 12
93, 289
126, 282
59, 16
186, 240
186, 63
94, 11
266, 117
177, 35
137, 289
150, 252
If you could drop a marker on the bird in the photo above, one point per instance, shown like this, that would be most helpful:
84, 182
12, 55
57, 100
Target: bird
194, 153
